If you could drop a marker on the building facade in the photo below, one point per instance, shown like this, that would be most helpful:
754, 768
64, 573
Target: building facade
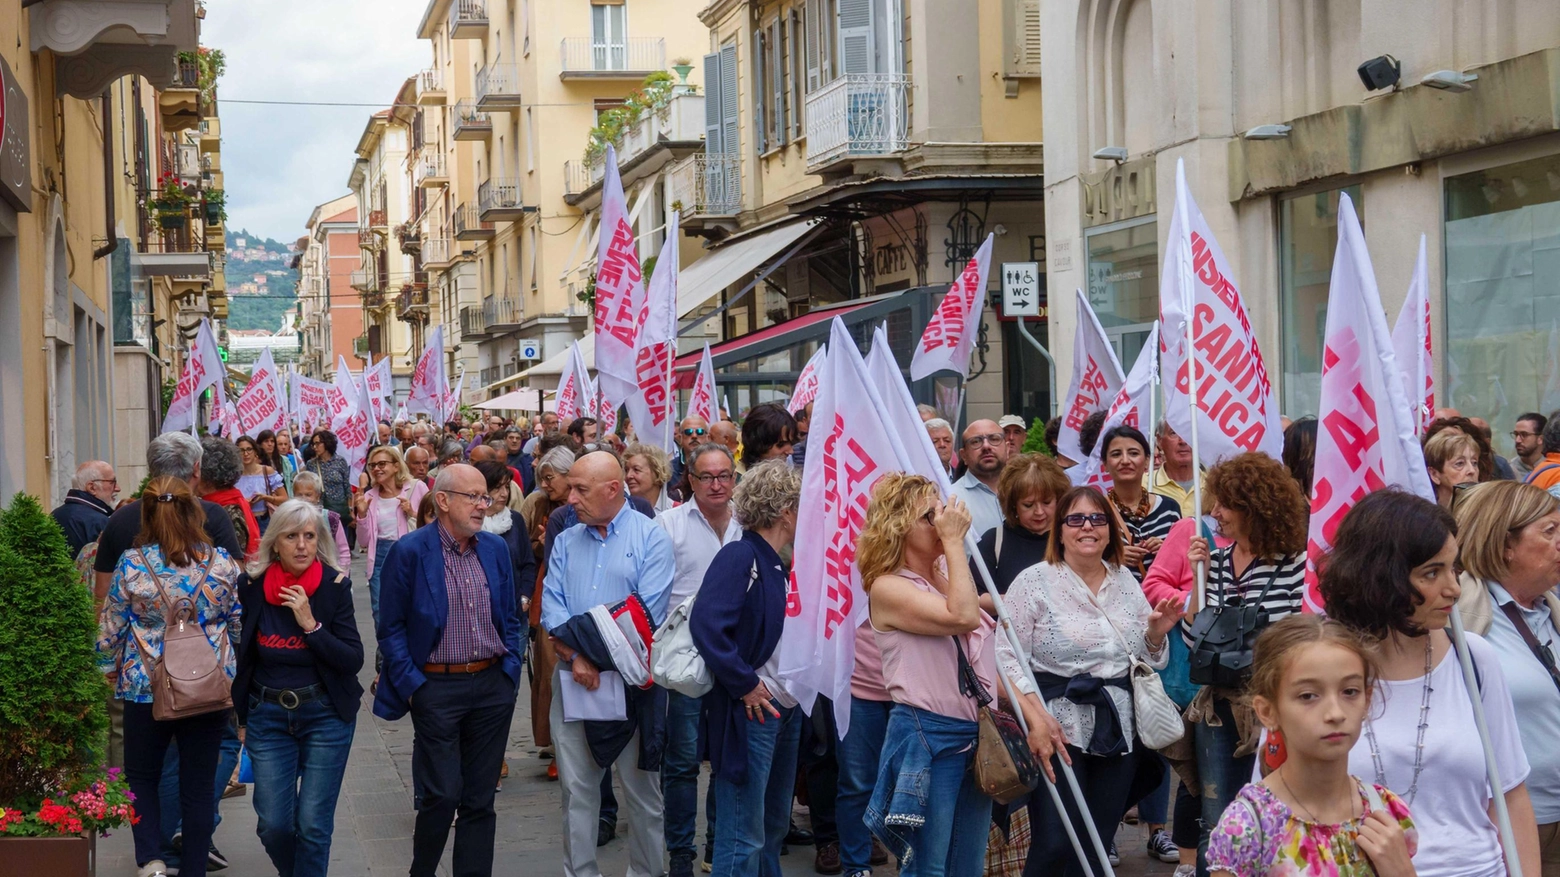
330, 310
394, 290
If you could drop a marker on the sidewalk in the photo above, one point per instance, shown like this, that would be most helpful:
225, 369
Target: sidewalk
374, 816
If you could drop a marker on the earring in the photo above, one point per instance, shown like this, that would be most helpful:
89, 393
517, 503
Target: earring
1273, 752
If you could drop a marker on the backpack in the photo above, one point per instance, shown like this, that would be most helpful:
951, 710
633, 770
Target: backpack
188, 680
235, 514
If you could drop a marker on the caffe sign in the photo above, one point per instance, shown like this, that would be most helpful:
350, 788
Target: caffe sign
15, 158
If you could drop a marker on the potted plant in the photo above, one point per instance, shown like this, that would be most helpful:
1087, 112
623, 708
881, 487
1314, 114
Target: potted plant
215, 206
55, 794
683, 66
170, 208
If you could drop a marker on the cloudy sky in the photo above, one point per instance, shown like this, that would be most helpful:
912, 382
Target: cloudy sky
279, 162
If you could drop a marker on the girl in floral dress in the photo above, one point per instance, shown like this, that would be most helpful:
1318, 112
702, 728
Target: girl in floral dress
1311, 688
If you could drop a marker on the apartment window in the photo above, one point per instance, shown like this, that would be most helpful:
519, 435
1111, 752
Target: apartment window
821, 20
1023, 39
609, 36
798, 70
779, 128
530, 142
762, 75
1307, 240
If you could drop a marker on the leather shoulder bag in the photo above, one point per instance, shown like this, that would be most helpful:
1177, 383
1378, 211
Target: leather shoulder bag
1224, 638
1005, 769
188, 680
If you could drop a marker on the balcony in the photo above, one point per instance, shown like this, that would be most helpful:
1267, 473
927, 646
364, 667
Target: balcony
707, 185
179, 102
210, 134
172, 252
576, 177
858, 115
412, 304
468, 19
473, 322
469, 226
430, 172
471, 123
378, 220
364, 280
430, 88
498, 86
490, 375
502, 313
677, 124
633, 58
360, 346
409, 237
367, 240
438, 252
374, 299
498, 200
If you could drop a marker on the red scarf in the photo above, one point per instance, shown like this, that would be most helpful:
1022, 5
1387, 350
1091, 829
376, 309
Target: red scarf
277, 578
232, 497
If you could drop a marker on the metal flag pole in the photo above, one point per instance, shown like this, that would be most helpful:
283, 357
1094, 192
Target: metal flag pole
1188, 301
1508, 838
1153, 422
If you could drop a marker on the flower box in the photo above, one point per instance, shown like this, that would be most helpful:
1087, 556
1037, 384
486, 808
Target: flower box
172, 220
54, 856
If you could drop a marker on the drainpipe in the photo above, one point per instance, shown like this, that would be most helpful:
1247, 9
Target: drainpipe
112, 243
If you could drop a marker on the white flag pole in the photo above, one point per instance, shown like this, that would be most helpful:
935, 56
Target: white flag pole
1153, 423
1508, 838
1190, 300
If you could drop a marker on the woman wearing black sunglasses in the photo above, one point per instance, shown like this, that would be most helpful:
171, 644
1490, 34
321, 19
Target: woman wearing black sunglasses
1081, 616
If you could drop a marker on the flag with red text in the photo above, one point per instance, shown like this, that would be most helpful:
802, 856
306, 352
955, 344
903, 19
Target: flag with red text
1096, 379
1365, 424
260, 406
572, 384
701, 399
202, 368
378, 388
311, 402
950, 335
452, 401
620, 291
1411, 342
1129, 408
1236, 410
807, 382
650, 406
900, 414
430, 383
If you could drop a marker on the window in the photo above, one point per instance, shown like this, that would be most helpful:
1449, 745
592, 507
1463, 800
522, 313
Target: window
798, 69
1124, 282
761, 79
778, 127
1502, 237
821, 19
1307, 239
608, 36
1023, 37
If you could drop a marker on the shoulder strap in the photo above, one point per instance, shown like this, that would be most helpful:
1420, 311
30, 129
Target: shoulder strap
167, 600
997, 553
1542, 653
1373, 797
969, 683
1539, 470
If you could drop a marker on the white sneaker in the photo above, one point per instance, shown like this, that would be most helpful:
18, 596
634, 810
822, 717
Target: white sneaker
154, 868
1185, 871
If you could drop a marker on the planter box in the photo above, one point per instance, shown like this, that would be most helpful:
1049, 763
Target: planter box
54, 856
174, 221
213, 213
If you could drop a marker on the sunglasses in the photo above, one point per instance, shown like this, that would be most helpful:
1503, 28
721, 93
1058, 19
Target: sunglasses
1076, 521
693, 432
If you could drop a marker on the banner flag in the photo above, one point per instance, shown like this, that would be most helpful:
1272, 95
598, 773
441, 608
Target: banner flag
259, 406
807, 382
1096, 379
701, 400
572, 387
452, 401
379, 388
950, 335
1130, 408
650, 406
202, 368
429, 381
1411, 343
620, 291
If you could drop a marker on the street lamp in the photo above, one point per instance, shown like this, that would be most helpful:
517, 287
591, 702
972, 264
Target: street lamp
1117, 154
1449, 80
1268, 132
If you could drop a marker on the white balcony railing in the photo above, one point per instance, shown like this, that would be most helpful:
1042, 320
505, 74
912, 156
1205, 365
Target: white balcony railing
499, 198
577, 176
498, 85
707, 185
680, 119
430, 87
585, 56
858, 115
430, 167
436, 251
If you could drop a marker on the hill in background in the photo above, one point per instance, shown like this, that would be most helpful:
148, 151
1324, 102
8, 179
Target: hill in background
260, 285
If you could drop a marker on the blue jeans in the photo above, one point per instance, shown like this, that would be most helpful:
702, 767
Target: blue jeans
680, 777
299, 758
756, 816
858, 761
168, 791
1222, 774
952, 842
381, 554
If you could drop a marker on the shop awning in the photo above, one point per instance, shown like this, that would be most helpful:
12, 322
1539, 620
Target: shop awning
685, 366
730, 262
523, 399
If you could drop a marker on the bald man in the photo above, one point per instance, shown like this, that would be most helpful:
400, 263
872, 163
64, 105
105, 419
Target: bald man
725, 432
449, 630
612, 553
984, 451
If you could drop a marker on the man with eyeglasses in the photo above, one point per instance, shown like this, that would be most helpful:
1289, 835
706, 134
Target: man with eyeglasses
1528, 438
698, 530
984, 451
545, 424
690, 434
87, 505
449, 629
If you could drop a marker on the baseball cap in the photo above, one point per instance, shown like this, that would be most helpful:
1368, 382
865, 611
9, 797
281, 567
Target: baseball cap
1012, 420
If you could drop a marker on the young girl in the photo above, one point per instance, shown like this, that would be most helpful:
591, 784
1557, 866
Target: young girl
1311, 688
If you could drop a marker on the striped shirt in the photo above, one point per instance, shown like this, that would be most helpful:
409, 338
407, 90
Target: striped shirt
1162, 515
1224, 588
469, 634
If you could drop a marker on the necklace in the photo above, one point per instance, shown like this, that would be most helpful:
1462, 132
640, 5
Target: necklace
1141, 511
1419, 743
1304, 809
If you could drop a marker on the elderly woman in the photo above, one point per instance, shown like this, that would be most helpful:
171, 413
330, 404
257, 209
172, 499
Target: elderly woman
296, 693
1511, 562
647, 471
1082, 617
335, 476
933, 636
1260, 509
508, 525
1392, 576
307, 487
551, 493
1124, 455
220, 469
751, 727
386, 511
1027, 489
173, 561
1452, 459
260, 483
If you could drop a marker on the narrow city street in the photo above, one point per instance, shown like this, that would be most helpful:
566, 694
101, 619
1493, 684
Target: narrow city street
374, 817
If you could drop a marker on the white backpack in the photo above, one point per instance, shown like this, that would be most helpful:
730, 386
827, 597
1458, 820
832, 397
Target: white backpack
675, 662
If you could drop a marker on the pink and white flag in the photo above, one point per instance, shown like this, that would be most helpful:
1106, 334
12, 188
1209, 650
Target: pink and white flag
1096, 379
1365, 436
452, 401
807, 382
701, 401
1411, 343
950, 335
1236, 411
355, 430
348, 387
1129, 408
227, 423
202, 368
400, 414
573, 385
311, 402
430, 384
899, 413
620, 291
260, 407
650, 407
379, 387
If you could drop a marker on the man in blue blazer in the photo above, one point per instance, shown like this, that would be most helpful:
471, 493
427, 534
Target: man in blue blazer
449, 631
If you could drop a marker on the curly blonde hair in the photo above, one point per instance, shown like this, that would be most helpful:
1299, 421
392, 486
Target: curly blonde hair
1262, 491
768, 490
897, 501
655, 458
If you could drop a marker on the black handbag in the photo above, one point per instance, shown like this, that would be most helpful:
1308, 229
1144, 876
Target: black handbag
1223, 639
1005, 770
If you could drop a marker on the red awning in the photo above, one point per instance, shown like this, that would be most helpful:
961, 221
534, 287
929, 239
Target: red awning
686, 365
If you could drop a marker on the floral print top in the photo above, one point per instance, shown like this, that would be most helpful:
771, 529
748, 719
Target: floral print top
1259, 836
133, 616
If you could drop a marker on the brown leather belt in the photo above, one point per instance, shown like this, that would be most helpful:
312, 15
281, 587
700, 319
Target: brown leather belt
469, 667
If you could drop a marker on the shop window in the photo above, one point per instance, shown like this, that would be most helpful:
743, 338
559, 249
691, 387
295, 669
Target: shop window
1307, 239
1124, 283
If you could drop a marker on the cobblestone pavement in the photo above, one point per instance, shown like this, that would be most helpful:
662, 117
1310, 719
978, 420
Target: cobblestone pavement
374, 816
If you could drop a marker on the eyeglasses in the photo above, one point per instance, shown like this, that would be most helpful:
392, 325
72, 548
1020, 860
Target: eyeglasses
976, 441
480, 500
693, 432
379, 464
721, 477
104, 481
1095, 520
246, 449
1520, 434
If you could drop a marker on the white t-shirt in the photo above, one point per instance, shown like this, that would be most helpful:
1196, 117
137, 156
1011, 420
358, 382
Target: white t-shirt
386, 513
1456, 836
694, 545
1533, 695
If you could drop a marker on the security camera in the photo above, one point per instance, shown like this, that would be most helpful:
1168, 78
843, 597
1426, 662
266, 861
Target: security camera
1382, 71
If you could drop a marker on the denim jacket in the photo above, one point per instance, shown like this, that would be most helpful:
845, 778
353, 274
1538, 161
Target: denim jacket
898, 806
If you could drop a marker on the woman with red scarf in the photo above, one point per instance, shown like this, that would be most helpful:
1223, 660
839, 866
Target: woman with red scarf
296, 692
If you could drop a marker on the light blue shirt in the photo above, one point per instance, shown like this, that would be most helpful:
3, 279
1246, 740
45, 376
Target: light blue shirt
1534, 697
985, 511
586, 570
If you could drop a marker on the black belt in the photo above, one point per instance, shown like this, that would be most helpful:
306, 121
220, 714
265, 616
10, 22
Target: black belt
292, 698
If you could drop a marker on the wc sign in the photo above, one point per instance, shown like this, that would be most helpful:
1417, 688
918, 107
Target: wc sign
1020, 289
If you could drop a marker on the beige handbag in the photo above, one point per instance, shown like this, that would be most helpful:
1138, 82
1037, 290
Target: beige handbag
188, 680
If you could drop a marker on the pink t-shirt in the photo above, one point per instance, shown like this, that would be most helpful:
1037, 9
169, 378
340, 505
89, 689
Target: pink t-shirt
923, 671
866, 680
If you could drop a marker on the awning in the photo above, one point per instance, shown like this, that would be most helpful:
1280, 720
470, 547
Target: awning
686, 366
523, 399
730, 262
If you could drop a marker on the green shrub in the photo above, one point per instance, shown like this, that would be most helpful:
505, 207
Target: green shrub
1034, 443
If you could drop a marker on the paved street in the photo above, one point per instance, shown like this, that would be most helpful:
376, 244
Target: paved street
374, 817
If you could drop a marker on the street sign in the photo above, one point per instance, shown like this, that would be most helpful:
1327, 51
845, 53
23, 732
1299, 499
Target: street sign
1021, 289
530, 349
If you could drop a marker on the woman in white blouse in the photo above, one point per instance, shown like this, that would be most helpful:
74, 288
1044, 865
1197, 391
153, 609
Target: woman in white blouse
1079, 615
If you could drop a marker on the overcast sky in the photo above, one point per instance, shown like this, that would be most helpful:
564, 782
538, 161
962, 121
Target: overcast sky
279, 162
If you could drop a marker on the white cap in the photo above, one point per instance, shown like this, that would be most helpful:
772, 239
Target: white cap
1012, 420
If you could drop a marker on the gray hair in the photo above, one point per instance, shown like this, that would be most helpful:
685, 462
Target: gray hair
294, 516
451, 449
939, 423
709, 448
220, 464
309, 479
1552, 434
767, 491
176, 454
88, 472
559, 459
924, 409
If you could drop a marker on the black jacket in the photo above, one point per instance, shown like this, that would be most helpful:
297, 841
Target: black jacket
336, 647
82, 516
521, 557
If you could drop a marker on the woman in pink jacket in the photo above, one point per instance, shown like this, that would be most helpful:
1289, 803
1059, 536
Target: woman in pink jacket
386, 511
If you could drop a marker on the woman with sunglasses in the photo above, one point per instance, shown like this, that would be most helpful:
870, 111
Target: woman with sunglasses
336, 476
386, 511
1082, 617
1261, 511
259, 482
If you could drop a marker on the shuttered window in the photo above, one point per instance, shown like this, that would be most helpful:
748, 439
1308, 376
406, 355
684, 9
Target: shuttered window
798, 71
761, 90
1023, 38
857, 48
779, 126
